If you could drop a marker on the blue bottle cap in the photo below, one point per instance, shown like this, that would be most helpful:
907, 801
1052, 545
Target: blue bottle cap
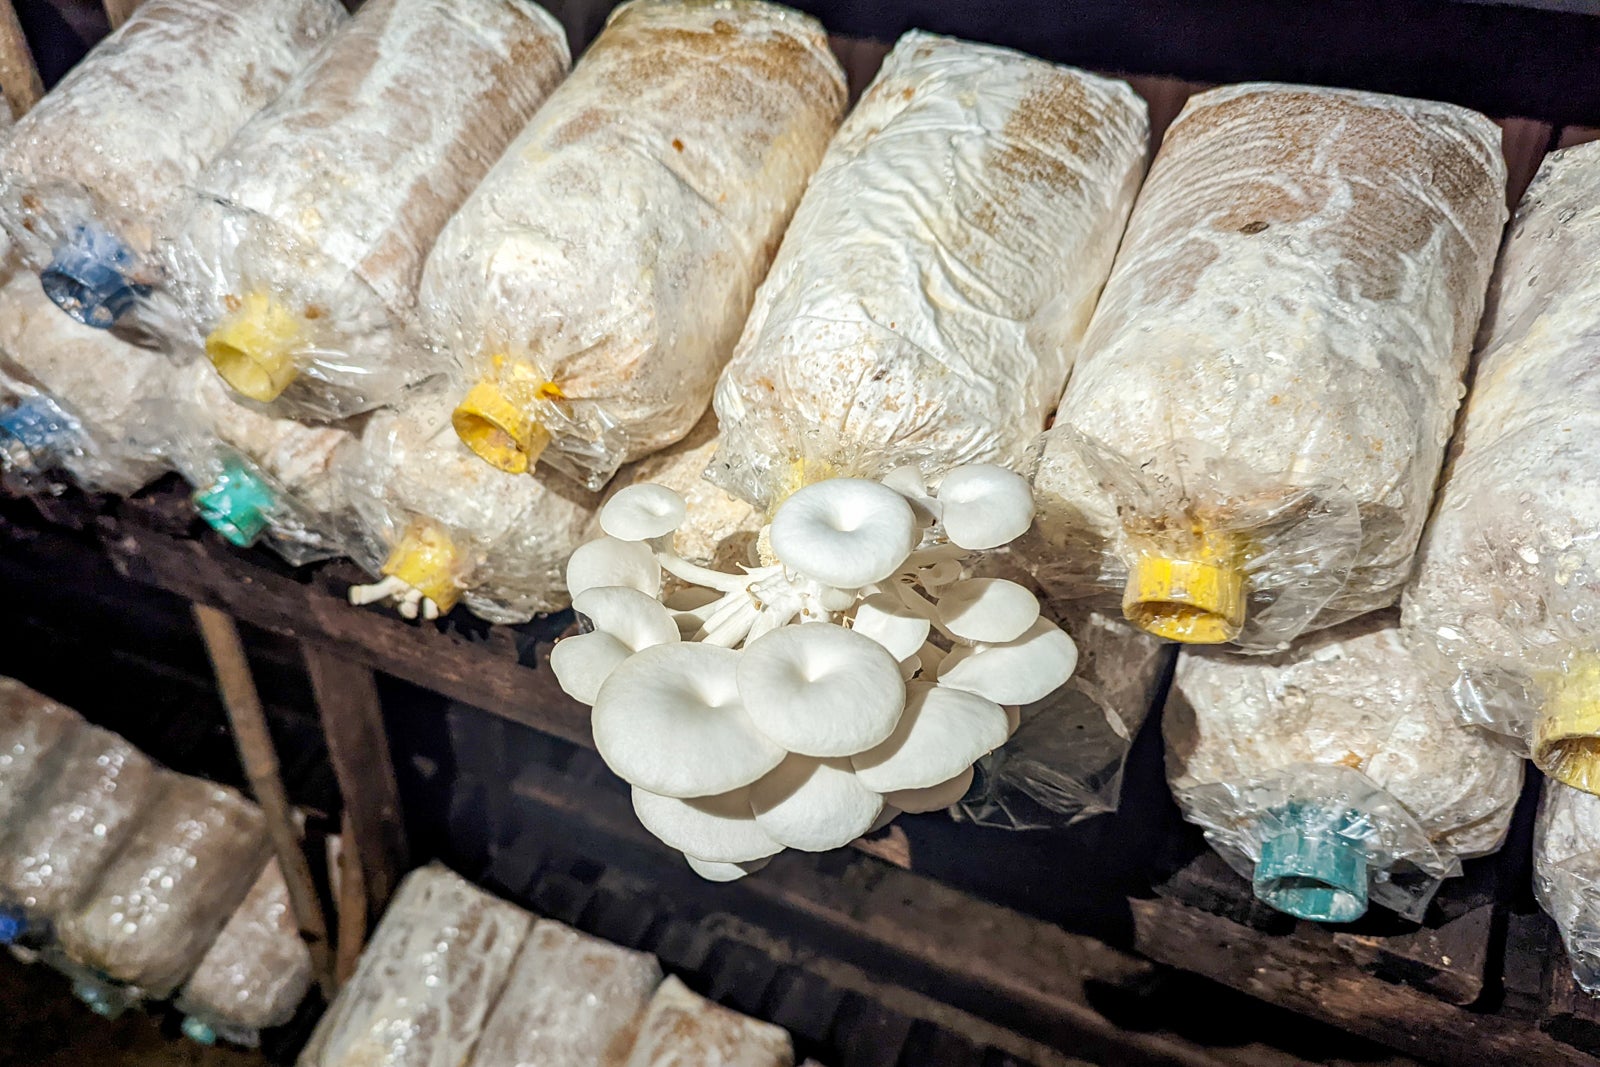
87, 278
1310, 869
237, 504
12, 926
34, 435
198, 1031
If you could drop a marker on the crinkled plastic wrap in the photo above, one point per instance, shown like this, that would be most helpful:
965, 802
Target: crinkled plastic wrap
426, 981
87, 175
52, 855
934, 287
1250, 440
683, 1029
1509, 573
258, 475
1566, 874
169, 891
77, 398
572, 1001
35, 735
456, 528
1065, 760
1333, 773
591, 289
256, 972
298, 261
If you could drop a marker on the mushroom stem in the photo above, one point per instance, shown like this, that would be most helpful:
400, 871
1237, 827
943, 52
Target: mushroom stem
729, 625
375, 591
695, 574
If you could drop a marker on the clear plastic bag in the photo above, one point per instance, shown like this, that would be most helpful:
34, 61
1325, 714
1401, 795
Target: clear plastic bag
1333, 773
1566, 874
258, 475
438, 521
87, 176
1509, 571
79, 399
592, 287
302, 244
1249, 442
934, 287
35, 734
571, 1002
52, 856
682, 1029
256, 972
169, 891
436, 964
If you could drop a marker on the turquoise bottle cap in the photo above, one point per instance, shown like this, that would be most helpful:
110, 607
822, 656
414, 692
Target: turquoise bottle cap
95, 998
87, 277
1310, 869
237, 504
198, 1031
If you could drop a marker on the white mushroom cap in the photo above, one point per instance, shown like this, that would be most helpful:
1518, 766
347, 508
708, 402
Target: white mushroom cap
720, 829
942, 732
844, 532
608, 561
1017, 672
985, 506
991, 610
633, 618
885, 619
712, 871
821, 690
669, 720
909, 483
583, 663
934, 798
642, 512
813, 804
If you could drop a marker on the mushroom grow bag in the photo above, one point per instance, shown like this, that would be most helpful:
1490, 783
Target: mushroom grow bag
1251, 436
297, 264
1333, 773
591, 289
1509, 572
87, 175
680, 1028
35, 735
934, 286
1566, 874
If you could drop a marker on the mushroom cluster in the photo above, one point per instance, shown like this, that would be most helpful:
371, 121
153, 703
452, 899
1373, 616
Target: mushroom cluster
855, 672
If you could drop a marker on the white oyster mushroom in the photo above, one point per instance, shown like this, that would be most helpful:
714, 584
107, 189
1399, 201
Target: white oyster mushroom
934, 798
723, 872
985, 506
844, 532
643, 512
609, 561
582, 663
625, 621
942, 733
814, 804
718, 829
889, 622
909, 483
669, 720
821, 690
990, 610
1016, 672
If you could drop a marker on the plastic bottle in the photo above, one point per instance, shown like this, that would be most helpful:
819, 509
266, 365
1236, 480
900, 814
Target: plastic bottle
682, 1029
1566, 874
258, 475
442, 527
87, 175
1250, 439
571, 1002
933, 289
591, 289
35, 735
303, 242
1332, 774
425, 984
1508, 577
165, 896
81, 400
256, 972
52, 856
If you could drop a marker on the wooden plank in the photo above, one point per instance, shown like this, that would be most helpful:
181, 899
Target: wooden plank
19, 74
358, 746
350, 898
260, 761
119, 11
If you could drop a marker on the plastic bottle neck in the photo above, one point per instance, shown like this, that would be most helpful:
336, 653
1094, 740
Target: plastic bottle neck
35, 436
88, 276
1309, 868
1567, 732
428, 561
237, 505
1191, 592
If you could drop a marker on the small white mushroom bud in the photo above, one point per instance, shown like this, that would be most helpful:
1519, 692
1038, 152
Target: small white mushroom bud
608, 561
813, 804
643, 512
942, 732
985, 506
723, 872
719, 829
934, 798
844, 532
1017, 672
990, 610
821, 690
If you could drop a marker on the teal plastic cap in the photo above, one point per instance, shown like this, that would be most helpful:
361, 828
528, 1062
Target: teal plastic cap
95, 997
199, 1031
237, 504
1310, 870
